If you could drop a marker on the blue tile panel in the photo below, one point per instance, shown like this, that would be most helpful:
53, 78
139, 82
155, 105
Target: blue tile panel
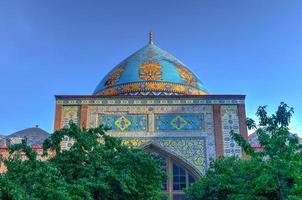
172, 122
125, 122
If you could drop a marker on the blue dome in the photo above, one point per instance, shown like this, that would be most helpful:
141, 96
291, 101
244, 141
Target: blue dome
151, 71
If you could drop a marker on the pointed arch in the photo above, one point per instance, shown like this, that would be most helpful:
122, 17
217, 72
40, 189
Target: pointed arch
166, 153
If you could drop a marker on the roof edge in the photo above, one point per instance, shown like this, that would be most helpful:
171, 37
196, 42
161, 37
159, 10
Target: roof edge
33, 147
142, 96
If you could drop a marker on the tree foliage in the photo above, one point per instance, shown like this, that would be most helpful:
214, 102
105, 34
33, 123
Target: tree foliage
97, 166
274, 172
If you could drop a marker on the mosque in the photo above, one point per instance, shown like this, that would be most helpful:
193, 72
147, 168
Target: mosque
153, 101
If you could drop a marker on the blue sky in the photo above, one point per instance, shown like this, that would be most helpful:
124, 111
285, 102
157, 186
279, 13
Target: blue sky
251, 47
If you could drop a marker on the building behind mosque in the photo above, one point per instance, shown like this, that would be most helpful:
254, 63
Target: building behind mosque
153, 101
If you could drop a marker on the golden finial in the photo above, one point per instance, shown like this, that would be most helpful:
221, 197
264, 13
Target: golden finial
150, 37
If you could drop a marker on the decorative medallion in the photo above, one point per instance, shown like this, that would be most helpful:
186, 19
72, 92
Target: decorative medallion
186, 75
125, 122
114, 76
178, 122
122, 123
150, 71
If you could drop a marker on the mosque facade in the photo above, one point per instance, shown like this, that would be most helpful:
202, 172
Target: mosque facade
153, 101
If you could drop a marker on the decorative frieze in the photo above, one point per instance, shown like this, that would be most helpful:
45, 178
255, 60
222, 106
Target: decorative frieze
151, 101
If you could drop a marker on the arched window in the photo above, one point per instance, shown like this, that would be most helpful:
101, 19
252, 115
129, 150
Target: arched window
179, 175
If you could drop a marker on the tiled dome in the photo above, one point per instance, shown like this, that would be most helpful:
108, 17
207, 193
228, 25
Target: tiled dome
151, 71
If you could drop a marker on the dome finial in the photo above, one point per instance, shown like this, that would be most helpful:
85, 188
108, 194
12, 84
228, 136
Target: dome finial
150, 37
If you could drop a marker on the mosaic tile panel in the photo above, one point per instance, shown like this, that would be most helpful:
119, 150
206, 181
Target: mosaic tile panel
230, 121
70, 114
206, 111
175, 122
125, 122
191, 150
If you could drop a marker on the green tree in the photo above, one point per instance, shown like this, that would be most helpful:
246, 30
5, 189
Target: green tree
272, 173
96, 166
232, 178
32, 179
